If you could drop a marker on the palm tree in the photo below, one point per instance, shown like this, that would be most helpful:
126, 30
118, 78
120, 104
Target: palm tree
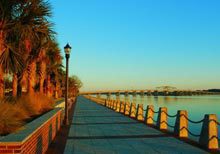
10, 59
24, 26
54, 63
42, 70
33, 26
4, 13
61, 77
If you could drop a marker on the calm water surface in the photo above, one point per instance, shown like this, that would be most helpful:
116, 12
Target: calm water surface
197, 107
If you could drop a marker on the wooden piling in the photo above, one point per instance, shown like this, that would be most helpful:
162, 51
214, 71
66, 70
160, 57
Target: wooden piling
140, 112
111, 104
162, 118
127, 108
114, 105
209, 133
105, 101
149, 115
133, 110
118, 102
122, 107
181, 124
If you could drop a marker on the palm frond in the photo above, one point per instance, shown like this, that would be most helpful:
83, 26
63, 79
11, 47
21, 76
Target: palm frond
11, 60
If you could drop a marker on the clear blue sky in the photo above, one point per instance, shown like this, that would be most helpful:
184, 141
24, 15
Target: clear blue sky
141, 44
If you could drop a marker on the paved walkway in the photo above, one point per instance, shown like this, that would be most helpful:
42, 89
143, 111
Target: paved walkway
97, 129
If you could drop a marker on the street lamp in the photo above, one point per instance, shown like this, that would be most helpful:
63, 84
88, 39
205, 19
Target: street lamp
67, 50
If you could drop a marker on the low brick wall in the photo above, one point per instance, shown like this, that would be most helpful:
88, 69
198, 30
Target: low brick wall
35, 137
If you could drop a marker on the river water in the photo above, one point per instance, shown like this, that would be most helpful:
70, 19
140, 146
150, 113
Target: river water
196, 106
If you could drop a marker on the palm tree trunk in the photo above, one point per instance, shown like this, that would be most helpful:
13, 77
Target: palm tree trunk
31, 77
56, 91
1, 83
19, 86
14, 84
42, 76
1, 69
48, 88
23, 81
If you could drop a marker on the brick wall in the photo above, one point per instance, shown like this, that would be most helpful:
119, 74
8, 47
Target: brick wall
38, 140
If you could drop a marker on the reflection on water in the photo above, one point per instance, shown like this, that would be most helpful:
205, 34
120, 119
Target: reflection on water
197, 106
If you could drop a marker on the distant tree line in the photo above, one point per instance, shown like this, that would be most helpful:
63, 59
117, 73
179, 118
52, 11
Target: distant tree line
213, 90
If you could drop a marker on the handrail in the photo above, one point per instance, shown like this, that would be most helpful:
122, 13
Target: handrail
168, 124
191, 133
171, 116
194, 122
152, 110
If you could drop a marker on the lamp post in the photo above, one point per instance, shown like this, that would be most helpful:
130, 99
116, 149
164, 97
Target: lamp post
67, 50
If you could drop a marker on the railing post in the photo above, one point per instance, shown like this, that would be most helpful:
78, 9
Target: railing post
162, 118
111, 104
133, 110
118, 106
209, 133
181, 124
127, 108
114, 105
122, 107
140, 111
107, 101
149, 115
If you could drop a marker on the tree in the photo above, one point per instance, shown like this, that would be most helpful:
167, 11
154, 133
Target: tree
10, 59
54, 63
34, 27
74, 85
27, 46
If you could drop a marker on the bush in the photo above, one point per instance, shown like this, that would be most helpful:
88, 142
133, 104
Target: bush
15, 112
12, 118
35, 104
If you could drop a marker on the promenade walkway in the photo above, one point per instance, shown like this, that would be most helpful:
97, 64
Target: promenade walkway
96, 129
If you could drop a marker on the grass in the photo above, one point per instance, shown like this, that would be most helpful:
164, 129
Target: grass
14, 113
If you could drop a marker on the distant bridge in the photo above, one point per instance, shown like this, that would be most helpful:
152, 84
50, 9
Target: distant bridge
158, 92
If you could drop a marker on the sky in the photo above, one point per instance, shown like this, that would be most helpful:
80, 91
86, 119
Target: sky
141, 44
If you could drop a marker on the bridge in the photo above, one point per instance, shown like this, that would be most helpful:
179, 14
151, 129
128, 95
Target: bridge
159, 91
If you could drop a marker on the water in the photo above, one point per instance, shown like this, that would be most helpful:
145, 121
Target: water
196, 106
